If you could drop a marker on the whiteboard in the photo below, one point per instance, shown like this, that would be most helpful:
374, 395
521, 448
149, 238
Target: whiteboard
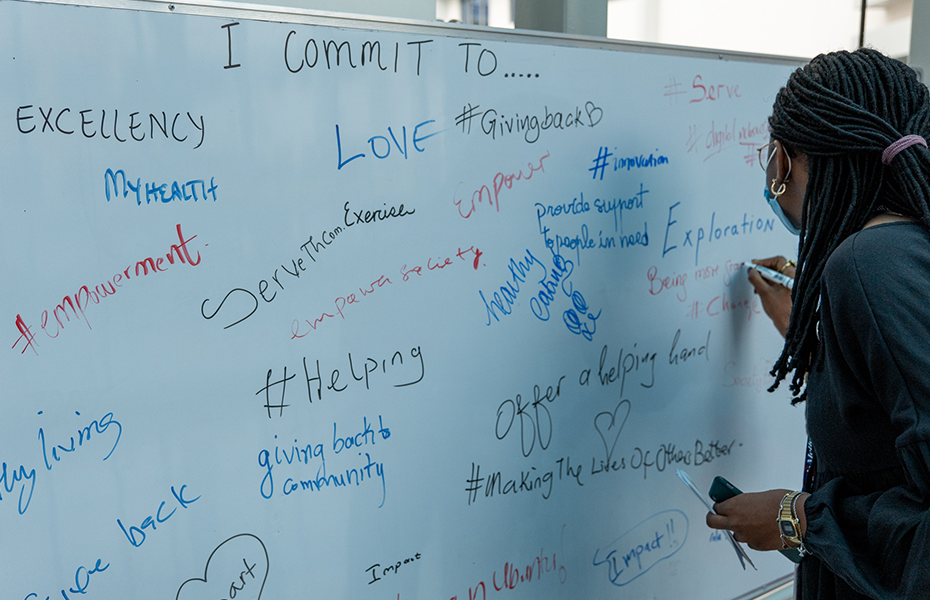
298, 306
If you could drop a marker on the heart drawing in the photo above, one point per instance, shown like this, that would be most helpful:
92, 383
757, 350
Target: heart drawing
236, 570
592, 110
605, 422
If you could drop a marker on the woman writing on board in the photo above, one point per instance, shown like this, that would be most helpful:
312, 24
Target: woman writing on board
850, 169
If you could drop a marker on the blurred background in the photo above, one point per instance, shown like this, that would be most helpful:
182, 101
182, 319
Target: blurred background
789, 27
799, 28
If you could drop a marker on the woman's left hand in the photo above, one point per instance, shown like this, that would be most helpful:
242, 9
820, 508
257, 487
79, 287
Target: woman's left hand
752, 518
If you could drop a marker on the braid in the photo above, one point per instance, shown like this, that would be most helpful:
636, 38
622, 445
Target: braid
841, 111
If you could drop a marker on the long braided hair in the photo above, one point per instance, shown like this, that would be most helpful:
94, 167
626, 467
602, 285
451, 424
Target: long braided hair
841, 111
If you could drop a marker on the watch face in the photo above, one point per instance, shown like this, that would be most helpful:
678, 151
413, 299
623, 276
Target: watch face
787, 528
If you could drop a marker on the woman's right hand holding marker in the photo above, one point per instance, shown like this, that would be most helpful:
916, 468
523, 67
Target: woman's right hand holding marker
776, 298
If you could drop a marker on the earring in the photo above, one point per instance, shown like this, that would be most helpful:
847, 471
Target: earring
781, 190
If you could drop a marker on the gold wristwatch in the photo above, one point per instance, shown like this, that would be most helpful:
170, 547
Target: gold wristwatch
788, 524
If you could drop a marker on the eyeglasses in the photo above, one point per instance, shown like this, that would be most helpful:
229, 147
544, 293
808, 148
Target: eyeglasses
765, 160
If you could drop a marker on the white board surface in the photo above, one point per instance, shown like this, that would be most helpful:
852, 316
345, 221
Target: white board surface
300, 311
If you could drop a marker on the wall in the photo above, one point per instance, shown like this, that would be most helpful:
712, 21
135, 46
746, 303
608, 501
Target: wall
423, 10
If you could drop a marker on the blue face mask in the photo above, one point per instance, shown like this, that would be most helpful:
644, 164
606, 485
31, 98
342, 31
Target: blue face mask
777, 209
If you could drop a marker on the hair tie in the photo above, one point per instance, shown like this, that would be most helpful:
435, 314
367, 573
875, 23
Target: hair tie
905, 142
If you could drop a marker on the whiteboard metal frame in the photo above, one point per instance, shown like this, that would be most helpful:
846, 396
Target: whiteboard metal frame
285, 14
781, 588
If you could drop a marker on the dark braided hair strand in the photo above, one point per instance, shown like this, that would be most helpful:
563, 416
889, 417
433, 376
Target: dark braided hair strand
840, 112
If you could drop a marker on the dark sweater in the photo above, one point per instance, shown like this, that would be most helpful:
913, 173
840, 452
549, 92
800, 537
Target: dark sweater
868, 416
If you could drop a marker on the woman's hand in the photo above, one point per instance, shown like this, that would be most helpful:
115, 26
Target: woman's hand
776, 298
753, 518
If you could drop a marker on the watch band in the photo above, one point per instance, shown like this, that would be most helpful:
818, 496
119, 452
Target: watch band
788, 525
